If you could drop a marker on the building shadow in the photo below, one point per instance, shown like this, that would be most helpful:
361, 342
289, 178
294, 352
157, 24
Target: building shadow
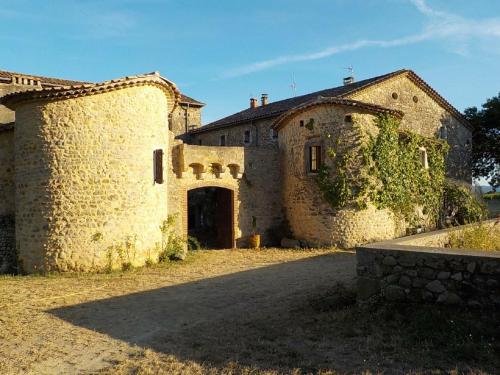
248, 317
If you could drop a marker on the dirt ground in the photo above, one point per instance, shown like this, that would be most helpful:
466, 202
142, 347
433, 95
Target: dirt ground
271, 311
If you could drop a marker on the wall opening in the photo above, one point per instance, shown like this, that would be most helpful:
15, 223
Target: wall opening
211, 217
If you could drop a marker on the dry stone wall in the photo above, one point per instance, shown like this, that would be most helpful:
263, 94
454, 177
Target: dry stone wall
397, 272
85, 194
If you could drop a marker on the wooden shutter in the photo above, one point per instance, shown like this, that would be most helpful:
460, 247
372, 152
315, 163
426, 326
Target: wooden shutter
158, 166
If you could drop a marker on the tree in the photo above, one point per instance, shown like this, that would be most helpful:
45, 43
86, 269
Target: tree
486, 140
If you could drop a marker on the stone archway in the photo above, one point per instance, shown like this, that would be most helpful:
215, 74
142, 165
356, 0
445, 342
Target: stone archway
210, 216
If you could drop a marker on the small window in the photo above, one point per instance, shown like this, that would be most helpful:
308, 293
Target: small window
222, 140
301, 123
394, 95
314, 158
158, 166
415, 99
423, 157
170, 122
246, 136
348, 118
273, 133
443, 132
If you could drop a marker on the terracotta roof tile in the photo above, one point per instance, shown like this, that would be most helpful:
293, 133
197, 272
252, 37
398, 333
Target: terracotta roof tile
4, 75
275, 109
321, 100
53, 93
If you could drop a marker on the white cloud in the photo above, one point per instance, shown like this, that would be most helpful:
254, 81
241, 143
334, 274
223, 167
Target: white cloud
456, 30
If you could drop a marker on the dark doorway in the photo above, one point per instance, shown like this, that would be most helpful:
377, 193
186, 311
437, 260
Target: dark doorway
210, 217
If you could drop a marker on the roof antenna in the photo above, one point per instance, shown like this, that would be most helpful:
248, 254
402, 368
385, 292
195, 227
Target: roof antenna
293, 86
350, 79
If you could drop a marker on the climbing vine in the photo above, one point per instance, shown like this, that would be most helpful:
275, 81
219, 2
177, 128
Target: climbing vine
386, 171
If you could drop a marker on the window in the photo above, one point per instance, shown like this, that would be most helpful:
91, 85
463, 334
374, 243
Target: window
246, 136
170, 121
348, 118
158, 166
314, 158
301, 123
273, 133
443, 132
394, 95
415, 99
423, 157
199, 142
222, 140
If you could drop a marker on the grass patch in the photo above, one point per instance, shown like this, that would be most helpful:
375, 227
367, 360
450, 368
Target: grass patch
491, 196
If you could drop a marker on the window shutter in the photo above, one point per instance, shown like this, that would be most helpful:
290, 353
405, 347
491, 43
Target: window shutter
158, 166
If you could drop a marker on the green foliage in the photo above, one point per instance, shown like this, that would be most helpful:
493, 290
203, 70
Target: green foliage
460, 206
172, 247
310, 124
480, 237
193, 243
486, 140
387, 172
491, 196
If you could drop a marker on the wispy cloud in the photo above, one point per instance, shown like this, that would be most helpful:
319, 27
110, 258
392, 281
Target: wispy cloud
457, 30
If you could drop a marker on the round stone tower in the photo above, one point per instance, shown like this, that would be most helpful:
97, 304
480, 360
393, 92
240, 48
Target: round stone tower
88, 194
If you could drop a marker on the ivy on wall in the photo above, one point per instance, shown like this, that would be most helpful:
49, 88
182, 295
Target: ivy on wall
386, 171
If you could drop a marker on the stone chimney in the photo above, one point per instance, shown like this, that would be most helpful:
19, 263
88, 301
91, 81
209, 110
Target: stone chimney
348, 80
253, 103
264, 99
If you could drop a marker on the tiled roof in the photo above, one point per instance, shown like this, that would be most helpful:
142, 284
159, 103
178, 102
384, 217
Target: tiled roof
46, 81
188, 100
50, 93
4, 75
275, 109
321, 100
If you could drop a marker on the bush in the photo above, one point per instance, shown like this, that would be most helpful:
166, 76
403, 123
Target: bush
193, 243
491, 196
480, 237
460, 206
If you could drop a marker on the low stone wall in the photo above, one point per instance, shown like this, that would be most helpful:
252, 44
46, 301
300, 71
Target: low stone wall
7, 244
395, 271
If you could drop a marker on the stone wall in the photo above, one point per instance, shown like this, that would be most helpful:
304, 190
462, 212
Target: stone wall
397, 272
184, 116
7, 201
311, 217
6, 114
254, 180
85, 193
260, 135
424, 116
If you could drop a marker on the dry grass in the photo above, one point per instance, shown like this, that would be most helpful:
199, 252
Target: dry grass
232, 312
480, 237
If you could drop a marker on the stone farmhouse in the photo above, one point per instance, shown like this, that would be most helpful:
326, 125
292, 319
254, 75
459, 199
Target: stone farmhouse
88, 167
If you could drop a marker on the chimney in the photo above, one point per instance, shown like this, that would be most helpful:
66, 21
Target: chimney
348, 80
263, 99
253, 103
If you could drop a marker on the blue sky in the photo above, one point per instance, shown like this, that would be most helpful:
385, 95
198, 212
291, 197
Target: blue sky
223, 51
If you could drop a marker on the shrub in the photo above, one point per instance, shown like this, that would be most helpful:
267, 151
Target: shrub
172, 244
193, 243
491, 196
460, 206
480, 237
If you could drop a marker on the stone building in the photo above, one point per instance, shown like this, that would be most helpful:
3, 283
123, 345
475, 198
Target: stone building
89, 172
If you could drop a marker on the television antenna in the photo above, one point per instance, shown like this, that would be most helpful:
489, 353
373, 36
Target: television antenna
293, 85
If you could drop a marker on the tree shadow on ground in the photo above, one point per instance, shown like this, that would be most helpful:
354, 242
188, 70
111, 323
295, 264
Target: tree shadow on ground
291, 315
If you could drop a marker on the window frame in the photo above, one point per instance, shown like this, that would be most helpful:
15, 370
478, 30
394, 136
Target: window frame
320, 156
245, 132
221, 138
158, 166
